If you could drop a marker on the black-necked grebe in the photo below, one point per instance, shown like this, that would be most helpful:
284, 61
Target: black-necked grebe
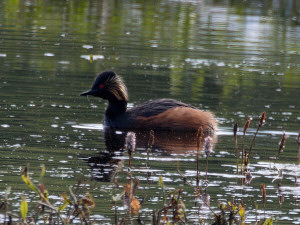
157, 114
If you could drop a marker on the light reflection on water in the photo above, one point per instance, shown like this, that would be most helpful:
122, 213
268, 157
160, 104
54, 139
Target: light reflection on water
222, 131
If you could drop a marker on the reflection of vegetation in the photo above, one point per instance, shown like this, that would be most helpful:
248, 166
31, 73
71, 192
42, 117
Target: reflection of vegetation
186, 42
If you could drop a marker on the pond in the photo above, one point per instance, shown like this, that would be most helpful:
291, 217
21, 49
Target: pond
236, 59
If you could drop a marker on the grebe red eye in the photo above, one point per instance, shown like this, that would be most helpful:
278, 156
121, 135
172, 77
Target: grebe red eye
101, 86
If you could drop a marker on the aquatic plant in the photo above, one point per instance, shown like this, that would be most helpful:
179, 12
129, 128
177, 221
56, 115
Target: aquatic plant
199, 138
263, 195
260, 124
130, 142
235, 130
246, 126
298, 142
281, 145
78, 206
207, 150
177, 208
248, 176
150, 144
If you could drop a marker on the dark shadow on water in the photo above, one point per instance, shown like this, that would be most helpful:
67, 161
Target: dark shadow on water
106, 163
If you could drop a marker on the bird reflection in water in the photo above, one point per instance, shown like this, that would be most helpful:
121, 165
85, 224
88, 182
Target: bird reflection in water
106, 164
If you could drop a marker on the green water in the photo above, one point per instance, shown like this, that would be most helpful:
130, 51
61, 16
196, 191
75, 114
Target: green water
234, 58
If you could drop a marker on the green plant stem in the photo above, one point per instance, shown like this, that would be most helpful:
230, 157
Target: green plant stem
197, 178
116, 216
206, 169
253, 141
237, 155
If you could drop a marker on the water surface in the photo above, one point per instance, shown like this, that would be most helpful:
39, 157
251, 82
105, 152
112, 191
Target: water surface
234, 58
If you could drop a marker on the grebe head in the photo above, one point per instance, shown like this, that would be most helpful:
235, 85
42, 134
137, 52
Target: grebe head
108, 85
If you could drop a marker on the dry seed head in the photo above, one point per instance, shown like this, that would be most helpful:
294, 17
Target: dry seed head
208, 145
130, 141
246, 158
235, 129
262, 119
263, 191
247, 124
248, 177
206, 199
282, 142
151, 139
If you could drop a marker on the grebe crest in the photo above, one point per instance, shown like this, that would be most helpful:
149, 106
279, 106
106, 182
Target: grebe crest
108, 85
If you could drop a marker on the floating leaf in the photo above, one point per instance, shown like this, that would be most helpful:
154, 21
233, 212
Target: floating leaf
24, 208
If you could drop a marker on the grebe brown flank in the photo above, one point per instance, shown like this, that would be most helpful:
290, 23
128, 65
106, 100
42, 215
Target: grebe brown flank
156, 114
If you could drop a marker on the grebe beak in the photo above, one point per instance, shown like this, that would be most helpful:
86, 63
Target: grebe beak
89, 92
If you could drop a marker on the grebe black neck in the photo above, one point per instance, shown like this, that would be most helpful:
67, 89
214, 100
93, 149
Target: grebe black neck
116, 108
108, 85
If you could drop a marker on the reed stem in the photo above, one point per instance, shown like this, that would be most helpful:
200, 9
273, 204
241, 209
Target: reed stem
235, 129
199, 136
246, 126
260, 124
206, 169
298, 142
